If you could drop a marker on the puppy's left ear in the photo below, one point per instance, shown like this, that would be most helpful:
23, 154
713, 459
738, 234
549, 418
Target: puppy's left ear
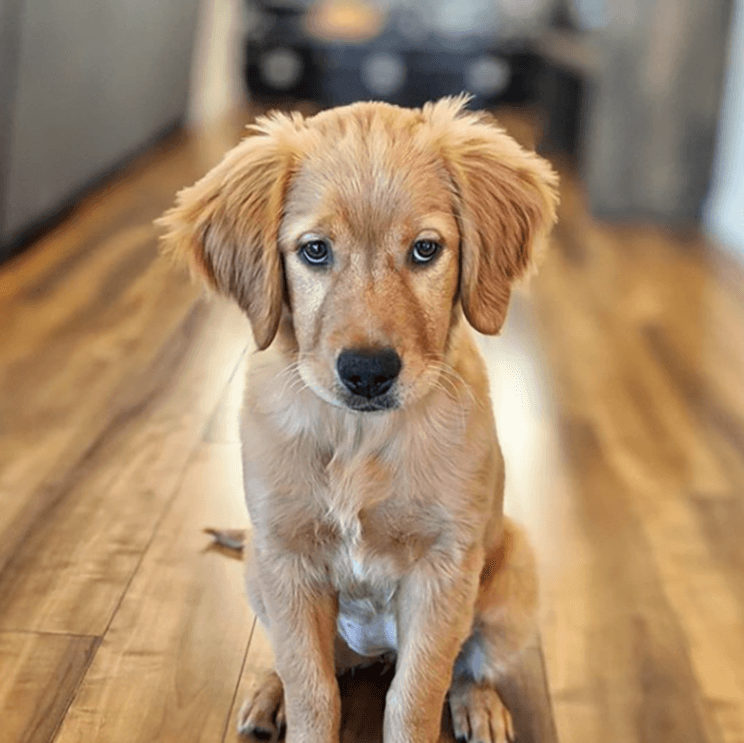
506, 200
226, 226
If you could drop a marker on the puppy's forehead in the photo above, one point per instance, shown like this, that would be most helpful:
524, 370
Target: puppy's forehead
367, 183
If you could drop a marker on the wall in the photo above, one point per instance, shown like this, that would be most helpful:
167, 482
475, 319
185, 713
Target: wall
724, 215
92, 82
653, 113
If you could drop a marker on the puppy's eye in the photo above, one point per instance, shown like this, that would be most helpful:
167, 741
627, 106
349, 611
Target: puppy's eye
316, 253
424, 251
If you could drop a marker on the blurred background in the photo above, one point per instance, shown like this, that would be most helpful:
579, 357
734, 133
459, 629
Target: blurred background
618, 383
645, 99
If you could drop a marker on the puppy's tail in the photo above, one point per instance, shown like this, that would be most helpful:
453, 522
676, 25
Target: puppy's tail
232, 539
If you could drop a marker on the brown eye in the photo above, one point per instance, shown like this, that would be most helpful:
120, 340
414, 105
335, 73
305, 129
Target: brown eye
424, 251
316, 253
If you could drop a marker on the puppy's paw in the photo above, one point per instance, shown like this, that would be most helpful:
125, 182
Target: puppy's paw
479, 715
262, 715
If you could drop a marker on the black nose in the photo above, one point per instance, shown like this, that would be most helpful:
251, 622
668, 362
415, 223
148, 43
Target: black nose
368, 372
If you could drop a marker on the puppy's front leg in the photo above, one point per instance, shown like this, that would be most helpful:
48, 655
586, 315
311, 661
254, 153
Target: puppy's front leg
435, 616
302, 626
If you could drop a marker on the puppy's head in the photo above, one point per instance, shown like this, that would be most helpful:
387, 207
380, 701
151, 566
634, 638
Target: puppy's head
369, 226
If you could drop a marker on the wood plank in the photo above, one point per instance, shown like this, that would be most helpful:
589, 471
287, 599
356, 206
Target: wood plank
640, 672
39, 674
722, 523
168, 665
641, 404
615, 381
88, 307
57, 427
70, 569
526, 694
223, 426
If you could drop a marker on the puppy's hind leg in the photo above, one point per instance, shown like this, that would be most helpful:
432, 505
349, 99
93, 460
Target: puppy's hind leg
504, 624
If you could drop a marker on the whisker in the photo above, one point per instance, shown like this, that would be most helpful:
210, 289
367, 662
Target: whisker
286, 376
459, 407
449, 375
446, 370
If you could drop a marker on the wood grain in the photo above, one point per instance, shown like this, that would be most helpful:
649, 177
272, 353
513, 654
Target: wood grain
168, 665
70, 571
39, 674
84, 315
644, 622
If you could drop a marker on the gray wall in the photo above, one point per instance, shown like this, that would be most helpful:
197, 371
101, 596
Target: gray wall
655, 110
93, 81
10, 15
725, 209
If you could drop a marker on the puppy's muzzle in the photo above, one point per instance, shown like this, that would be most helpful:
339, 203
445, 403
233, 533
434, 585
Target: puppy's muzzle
369, 374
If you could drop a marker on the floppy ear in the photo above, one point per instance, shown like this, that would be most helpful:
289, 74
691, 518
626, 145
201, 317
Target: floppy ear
226, 226
506, 199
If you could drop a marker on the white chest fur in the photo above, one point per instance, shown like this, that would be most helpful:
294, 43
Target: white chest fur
368, 629
366, 617
372, 638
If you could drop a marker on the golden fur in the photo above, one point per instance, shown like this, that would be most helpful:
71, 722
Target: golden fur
376, 525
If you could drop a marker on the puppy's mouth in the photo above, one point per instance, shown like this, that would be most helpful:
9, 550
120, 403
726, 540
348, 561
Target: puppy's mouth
377, 404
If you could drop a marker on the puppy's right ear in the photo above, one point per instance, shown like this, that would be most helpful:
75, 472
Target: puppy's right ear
226, 226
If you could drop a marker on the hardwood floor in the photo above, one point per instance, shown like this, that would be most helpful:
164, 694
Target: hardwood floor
618, 387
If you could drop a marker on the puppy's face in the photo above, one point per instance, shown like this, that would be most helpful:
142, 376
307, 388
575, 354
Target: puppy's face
370, 251
371, 225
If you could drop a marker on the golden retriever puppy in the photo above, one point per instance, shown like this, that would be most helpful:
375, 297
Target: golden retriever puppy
362, 244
